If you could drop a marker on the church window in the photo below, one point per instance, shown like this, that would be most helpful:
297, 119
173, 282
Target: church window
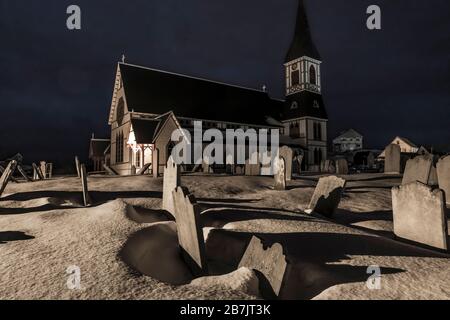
294, 105
316, 104
138, 158
295, 77
119, 147
120, 111
312, 75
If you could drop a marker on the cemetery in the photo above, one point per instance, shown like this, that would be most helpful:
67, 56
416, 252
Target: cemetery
197, 235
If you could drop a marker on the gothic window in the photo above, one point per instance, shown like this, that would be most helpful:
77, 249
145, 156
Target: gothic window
119, 147
138, 158
316, 104
295, 77
120, 111
312, 75
294, 105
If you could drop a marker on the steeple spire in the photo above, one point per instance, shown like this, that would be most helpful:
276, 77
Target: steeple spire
302, 44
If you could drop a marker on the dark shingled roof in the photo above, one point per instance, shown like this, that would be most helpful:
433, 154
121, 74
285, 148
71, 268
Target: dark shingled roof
302, 44
157, 92
305, 106
145, 130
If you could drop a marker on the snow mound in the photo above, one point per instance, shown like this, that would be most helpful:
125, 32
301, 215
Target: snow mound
243, 280
143, 215
154, 252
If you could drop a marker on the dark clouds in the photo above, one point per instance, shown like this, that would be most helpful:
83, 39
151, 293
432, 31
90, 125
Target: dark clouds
56, 84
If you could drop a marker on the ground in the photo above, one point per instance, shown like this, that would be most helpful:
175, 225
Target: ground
126, 247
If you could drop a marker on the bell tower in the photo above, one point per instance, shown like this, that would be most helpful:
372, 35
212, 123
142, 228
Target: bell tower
304, 116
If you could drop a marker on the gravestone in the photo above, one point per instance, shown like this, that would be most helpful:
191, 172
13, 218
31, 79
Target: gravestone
133, 170
288, 155
11, 177
371, 160
322, 166
341, 166
190, 232
206, 167
239, 170
252, 169
43, 167
6, 175
327, 196
392, 159
84, 184
172, 180
23, 173
266, 164
419, 214
37, 173
419, 169
299, 162
77, 166
443, 174
49, 170
280, 174
271, 262
326, 166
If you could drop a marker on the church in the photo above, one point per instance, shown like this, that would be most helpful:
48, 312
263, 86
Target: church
145, 108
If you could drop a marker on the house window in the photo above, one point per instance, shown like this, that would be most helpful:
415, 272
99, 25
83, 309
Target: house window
312, 75
317, 127
295, 77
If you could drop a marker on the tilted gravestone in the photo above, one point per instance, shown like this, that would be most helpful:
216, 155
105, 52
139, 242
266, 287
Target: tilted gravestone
6, 175
109, 170
280, 174
327, 196
266, 167
43, 167
11, 177
419, 169
172, 180
84, 184
288, 155
23, 173
419, 214
443, 174
252, 167
341, 166
144, 169
37, 173
392, 160
77, 167
190, 232
270, 262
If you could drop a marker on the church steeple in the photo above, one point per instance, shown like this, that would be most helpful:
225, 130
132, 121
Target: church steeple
302, 44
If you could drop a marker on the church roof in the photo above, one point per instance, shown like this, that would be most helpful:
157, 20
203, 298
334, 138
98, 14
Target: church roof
145, 130
351, 133
302, 44
304, 104
157, 92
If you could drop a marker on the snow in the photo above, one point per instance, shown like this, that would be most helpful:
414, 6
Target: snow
126, 247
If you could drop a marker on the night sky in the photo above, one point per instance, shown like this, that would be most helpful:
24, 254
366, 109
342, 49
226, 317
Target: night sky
56, 84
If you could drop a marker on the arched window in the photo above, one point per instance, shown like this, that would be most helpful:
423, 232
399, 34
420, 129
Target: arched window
119, 147
120, 110
312, 75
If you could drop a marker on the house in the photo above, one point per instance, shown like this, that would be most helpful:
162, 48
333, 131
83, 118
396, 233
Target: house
99, 153
349, 140
406, 146
149, 104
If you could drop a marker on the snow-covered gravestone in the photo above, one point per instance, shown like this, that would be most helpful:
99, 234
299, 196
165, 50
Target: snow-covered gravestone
4, 179
327, 196
419, 169
419, 214
270, 262
171, 182
84, 184
288, 155
392, 158
280, 174
443, 173
190, 232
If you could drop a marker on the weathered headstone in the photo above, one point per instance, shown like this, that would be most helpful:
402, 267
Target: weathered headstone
190, 232
49, 170
266, 166
370, 160
206, 166
84, 184
6, 175
172, 180
11, 177
299, 162
419, 214
133, 170
326, 166
327, 196
270, 262
37, 173
288, 155
443, 173
109, 170
280, 174
341, 166
239, 170
77, 166
252, 169
392, 159
43, 167
23, 173
419, 169
144, 169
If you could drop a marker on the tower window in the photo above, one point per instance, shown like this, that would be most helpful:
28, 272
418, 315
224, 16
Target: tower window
294, 105
312, 75
295, 77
